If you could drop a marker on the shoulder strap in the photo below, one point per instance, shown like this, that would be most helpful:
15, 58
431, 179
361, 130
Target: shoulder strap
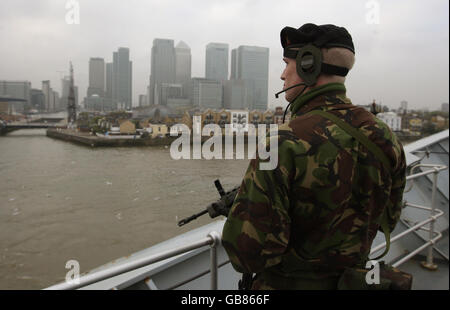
362, 138
372, 147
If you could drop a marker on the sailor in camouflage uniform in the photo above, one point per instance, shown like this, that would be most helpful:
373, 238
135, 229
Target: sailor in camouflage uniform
299, 225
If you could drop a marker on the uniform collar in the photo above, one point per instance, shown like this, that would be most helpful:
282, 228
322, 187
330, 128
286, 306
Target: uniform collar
306, 102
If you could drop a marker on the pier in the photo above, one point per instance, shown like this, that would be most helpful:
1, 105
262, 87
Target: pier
95, 141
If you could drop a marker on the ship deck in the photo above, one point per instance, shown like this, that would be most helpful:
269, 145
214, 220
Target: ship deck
206, 265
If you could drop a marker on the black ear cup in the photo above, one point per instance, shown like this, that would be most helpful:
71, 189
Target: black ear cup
309, 64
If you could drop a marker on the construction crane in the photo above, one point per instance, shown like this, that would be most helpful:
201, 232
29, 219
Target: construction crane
71, 107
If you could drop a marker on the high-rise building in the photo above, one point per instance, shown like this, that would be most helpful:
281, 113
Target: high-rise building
16, 89
235, 94
162, 68
109, 80
206, 94
444, 107
97, 103
55, 102
96, 77
216, 61
104, 83
170, 91
142, 100
121, 80
403, 107
37, 100
234, 64
183, 71
65, 88
251, 64
51, 101
48, 92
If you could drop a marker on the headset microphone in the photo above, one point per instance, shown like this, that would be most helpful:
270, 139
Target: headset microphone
296, 85
300, 84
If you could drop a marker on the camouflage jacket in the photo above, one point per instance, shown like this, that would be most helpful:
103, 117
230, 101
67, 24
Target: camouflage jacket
299, 225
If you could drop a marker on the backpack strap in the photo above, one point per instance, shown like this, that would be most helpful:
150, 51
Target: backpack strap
372, 147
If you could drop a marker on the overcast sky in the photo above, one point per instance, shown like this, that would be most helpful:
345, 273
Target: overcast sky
405, 56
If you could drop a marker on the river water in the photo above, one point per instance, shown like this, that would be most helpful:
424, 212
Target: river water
61, 201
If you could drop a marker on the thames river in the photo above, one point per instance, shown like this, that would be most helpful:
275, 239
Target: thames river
61, 201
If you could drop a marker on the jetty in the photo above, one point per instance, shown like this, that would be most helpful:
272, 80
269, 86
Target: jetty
86, 138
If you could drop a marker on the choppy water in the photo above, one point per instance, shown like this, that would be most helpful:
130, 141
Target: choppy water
60, 201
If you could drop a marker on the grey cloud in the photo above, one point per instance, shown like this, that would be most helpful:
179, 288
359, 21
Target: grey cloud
40, 43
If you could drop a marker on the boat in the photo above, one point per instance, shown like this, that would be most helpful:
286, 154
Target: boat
196, 260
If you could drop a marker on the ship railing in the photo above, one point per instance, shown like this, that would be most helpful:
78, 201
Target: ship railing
434, 236
213, 240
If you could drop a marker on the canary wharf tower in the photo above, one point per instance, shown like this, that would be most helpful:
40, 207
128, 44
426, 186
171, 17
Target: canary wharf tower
121, 78
162, 68
251, 65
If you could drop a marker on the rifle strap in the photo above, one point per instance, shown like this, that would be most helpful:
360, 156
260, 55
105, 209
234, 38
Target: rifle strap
379, 154
246, 282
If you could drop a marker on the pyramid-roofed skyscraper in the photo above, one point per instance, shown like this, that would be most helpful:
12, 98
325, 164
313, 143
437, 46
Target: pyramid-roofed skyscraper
183, 66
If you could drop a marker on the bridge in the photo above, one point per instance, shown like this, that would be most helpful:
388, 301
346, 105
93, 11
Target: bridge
39, 121
6, 128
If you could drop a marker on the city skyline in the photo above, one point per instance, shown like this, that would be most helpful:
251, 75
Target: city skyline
386, 53
236, 76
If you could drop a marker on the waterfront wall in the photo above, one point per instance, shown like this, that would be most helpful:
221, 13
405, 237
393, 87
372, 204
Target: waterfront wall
94, 141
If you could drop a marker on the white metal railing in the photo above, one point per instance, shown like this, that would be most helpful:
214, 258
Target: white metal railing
434, 214
213, 240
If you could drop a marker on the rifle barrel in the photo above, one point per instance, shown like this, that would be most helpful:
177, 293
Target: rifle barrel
191, 218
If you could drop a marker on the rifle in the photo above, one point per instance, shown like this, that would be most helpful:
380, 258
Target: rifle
222, 207
219, 207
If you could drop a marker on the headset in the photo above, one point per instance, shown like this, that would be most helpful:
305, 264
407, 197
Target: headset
309, 63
